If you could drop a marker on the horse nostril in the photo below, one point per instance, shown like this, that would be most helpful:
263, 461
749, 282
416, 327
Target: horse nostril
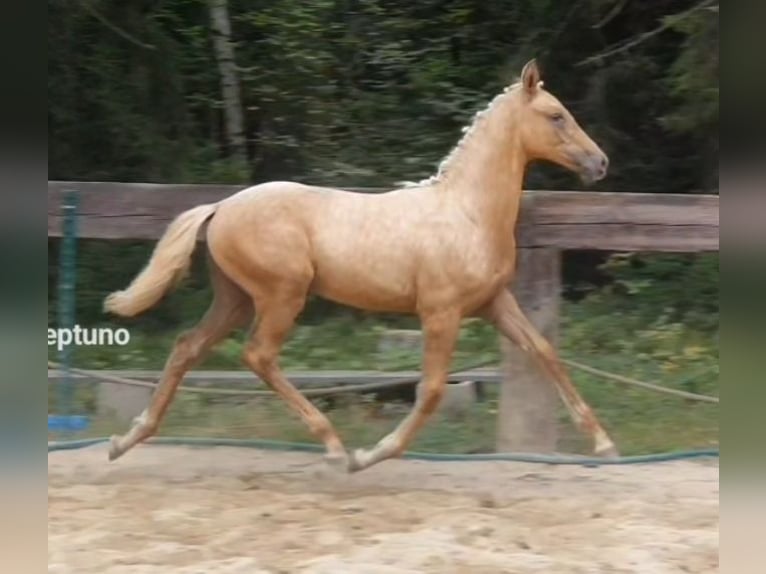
593, 165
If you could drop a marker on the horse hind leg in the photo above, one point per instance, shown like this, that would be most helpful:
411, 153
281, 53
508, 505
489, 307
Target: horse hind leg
231, 308
275, 317
507, 316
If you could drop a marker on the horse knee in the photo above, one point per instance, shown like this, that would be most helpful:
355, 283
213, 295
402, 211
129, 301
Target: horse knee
185, 341
258, 359
187, 349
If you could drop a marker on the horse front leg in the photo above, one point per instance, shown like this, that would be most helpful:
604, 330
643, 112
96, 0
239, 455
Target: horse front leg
504, 312
440, 330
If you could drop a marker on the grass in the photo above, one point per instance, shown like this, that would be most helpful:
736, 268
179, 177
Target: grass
340, 343
649, 348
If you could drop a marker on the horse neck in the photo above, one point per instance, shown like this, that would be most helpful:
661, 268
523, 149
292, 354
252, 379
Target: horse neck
486, 174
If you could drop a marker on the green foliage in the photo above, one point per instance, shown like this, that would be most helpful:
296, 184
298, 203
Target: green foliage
661, 312
372, 92
668, 288
693, 78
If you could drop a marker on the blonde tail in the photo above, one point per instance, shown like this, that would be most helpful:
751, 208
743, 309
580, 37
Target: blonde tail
168, 264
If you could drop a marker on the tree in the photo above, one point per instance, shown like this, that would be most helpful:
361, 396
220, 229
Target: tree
227, 67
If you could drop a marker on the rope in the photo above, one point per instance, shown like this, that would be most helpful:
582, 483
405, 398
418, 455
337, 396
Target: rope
370, 387
423, 456
321, 392
637, 383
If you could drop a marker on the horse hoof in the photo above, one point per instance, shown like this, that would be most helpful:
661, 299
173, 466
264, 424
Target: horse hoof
338, 461
354, 462
609, 452
115, 451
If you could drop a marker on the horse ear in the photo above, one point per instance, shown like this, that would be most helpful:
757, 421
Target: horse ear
530, 77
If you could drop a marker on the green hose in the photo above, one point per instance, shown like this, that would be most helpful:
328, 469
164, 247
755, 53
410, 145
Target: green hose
427, 456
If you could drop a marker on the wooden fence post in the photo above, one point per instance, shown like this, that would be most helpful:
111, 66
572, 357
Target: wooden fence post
527, 420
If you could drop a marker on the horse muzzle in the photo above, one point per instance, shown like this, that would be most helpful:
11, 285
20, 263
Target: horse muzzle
593, 167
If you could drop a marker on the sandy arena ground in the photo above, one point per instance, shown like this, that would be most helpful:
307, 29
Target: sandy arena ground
176, 510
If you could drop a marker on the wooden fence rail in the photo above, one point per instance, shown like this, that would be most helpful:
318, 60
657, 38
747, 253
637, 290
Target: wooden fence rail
550, 221
559, 219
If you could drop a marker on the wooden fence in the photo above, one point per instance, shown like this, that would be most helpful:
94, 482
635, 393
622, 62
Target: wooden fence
550, 221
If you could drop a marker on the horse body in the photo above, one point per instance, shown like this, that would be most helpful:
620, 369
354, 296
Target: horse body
443, 249
396, 251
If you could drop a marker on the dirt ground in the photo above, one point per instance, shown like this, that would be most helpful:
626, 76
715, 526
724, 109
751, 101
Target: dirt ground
212, 511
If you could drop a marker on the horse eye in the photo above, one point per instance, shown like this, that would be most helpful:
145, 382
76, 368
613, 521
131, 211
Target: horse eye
557, 117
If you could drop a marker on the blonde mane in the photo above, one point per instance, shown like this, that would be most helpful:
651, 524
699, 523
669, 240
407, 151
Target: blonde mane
468, 132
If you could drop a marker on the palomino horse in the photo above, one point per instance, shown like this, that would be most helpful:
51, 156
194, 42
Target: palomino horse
443, 249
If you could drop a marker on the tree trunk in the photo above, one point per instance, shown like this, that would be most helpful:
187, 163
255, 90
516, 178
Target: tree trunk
232, 104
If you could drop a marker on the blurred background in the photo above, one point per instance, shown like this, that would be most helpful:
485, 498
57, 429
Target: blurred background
366, 94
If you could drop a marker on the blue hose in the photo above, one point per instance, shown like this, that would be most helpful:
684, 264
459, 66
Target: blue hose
426, 456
